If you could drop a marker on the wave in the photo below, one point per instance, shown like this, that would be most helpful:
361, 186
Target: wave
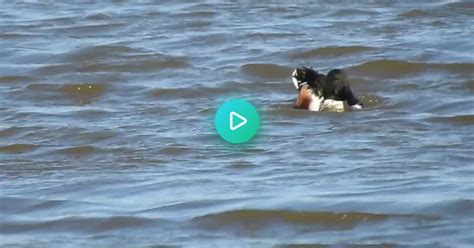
177, 93
268, 71
260, 218
351, 12
83, 93
91, 28
464, 5
76, 223
269, 35
470, 84
80, 89
400, 68
456, 119
176, 150
14, 79
19, 205
100, 51
79, 150
229, 88
112, 59
18, 35
414, 13
192, 13
17, 148
11, 131
98, 17
463, 208
130, 66
330, 51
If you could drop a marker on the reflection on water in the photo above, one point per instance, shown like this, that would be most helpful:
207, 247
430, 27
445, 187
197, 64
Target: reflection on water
107, 137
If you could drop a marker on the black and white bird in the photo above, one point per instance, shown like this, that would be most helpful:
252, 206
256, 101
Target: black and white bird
319, 92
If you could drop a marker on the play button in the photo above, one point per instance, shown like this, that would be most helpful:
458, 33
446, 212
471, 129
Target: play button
237, 121
240, 118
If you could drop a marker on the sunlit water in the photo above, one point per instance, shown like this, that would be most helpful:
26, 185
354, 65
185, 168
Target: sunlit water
107, 137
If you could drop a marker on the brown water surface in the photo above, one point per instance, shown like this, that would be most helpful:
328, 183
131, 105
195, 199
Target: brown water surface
107, 137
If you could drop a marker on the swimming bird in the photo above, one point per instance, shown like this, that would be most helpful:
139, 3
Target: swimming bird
319, 92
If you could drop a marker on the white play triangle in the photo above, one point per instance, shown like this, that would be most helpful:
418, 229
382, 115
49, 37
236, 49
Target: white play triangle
241, 118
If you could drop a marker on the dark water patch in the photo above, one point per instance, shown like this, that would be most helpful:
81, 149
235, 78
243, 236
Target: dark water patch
55, 69
463, 5
192, 13
83, 93
281, 9
331, 51
241, 164
346, 12
90, 136
197, 24
84, 90
269, 71
14, 79
17, 148
415, 13
80, 150
99, 52
457, 119
400, 68
86, 29
81, 88
53, 21
18, 35
90, 113
136, 65
98, 17
470, 84
175, 150
75, 224
190, 24
129, 64
268, 35
256, 219
188, 92
438, 23
11, 131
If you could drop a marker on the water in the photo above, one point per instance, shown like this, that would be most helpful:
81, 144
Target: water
107, 137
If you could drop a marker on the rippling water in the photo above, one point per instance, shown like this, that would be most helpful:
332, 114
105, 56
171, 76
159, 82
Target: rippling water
107, 137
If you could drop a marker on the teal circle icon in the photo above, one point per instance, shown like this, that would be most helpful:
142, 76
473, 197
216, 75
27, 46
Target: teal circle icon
237, 121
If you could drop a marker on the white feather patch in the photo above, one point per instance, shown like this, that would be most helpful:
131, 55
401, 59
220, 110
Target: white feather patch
293, 78
356, 107
316, 102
